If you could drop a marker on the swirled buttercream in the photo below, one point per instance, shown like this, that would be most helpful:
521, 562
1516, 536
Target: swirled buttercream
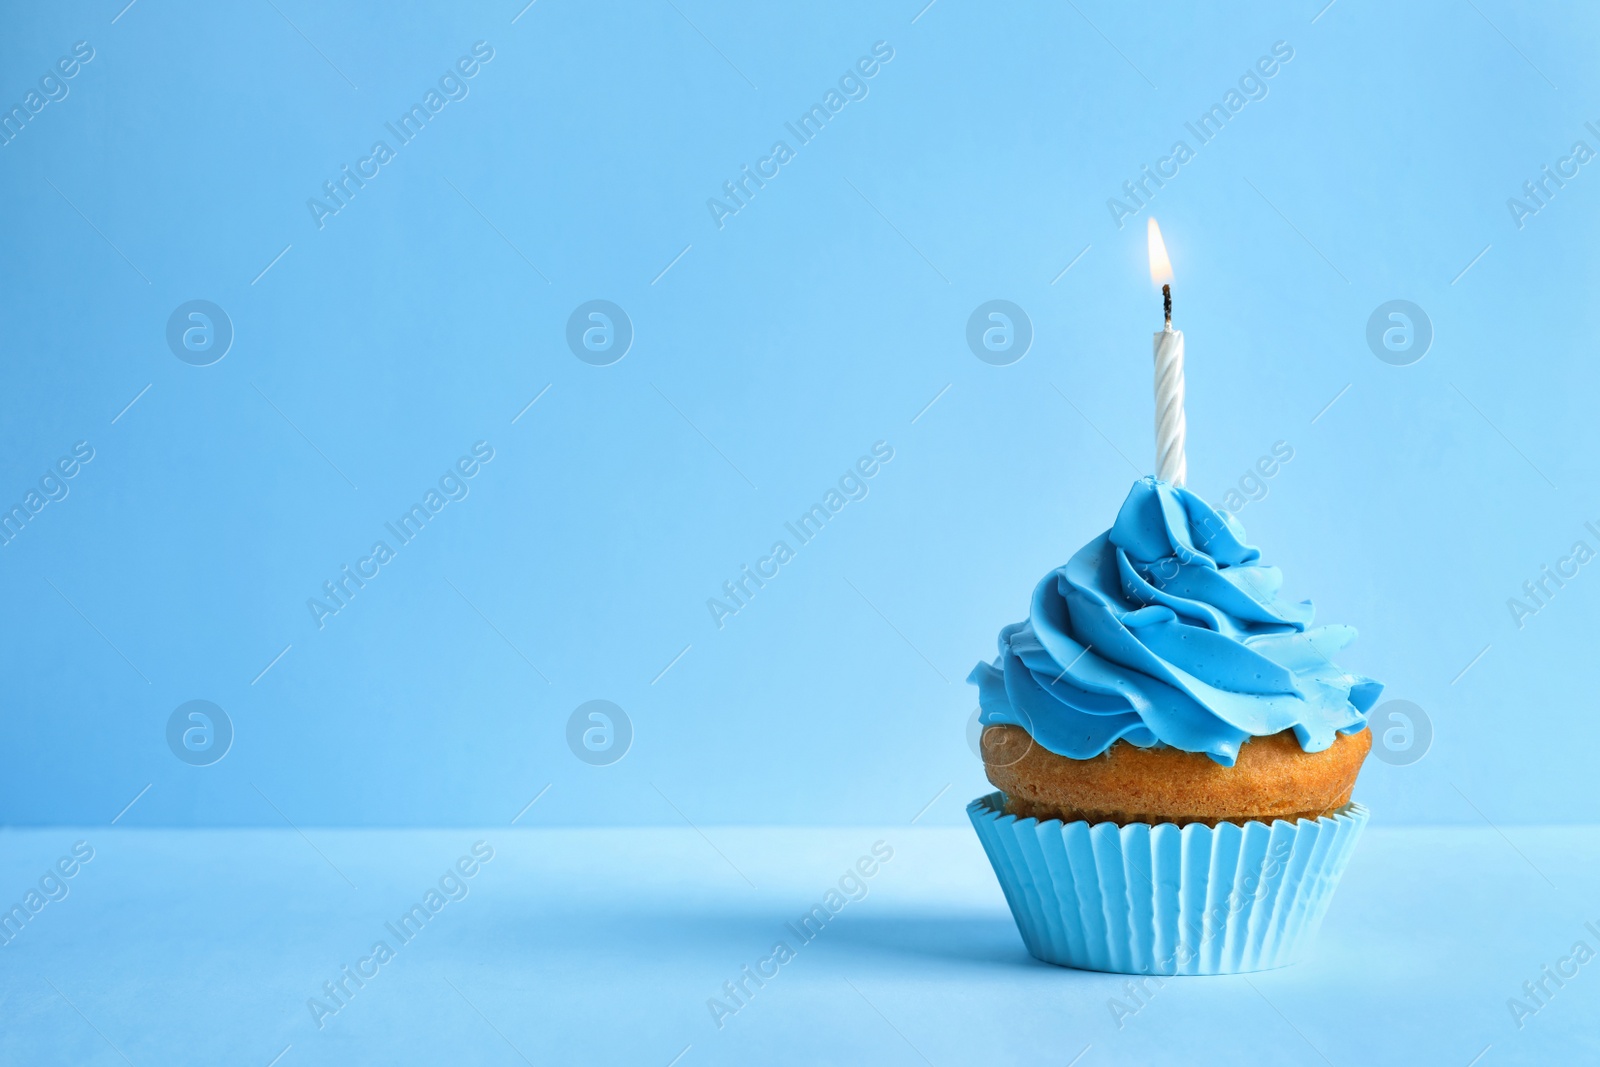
1168, 630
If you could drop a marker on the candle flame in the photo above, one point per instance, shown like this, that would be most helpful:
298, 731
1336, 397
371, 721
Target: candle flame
1160, 265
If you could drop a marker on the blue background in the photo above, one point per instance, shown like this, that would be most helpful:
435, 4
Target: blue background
769, 354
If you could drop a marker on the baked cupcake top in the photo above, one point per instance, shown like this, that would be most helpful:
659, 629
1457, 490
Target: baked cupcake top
1168, 630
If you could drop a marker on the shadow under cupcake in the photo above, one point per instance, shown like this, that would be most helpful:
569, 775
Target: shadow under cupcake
1175, 752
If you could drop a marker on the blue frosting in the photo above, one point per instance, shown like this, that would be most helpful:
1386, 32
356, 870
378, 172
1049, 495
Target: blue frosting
1168, 630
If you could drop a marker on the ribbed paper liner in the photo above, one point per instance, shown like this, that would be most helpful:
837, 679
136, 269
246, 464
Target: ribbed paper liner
1163, 899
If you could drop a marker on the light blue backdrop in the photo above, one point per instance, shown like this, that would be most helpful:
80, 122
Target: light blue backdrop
375, 346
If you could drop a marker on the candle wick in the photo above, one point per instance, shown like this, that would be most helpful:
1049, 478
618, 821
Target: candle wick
1166, 304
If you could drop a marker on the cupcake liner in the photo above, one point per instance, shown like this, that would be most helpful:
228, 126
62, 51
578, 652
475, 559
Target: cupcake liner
1163, 899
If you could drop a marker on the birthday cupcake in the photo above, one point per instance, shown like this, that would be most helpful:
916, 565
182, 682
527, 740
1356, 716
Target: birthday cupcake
1175, 751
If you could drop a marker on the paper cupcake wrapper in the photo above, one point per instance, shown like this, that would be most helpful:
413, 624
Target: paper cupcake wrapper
1163, 899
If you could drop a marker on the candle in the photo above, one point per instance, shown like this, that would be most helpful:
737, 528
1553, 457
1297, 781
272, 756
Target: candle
1171, 466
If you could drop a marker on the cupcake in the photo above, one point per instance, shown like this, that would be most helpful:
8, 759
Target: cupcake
1174, 750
